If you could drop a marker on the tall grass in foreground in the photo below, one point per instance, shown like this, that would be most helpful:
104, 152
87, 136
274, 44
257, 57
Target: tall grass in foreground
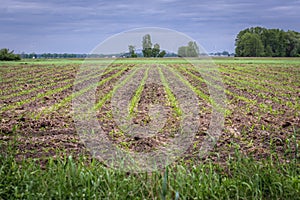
240, 178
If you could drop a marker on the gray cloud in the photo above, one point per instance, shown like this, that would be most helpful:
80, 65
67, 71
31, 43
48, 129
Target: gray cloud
78, 26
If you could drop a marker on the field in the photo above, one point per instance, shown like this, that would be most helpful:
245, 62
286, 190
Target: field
256, 155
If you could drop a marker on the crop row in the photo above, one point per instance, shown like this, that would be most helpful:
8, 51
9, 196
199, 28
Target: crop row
47, 77
30, 74
137, 96
102, 100
260, 115
61, 86
246, 91
33, 76
18, 91
45, 86
66, 100
263, 82
16, 72
170, 96
237, 87
232, 107
267, 73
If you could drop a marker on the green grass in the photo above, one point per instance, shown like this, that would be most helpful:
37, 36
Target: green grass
67, 178
217, 60
259, 60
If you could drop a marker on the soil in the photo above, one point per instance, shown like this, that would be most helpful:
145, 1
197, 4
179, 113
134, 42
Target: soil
255, 131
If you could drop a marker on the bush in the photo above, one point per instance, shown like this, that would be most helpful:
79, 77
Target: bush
7, 55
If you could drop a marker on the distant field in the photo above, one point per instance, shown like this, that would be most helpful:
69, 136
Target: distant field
262, 117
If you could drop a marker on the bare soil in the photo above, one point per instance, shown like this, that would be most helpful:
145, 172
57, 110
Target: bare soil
254, 131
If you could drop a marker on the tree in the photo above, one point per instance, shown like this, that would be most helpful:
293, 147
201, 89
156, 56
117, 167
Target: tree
275, 42
155, 50
268, 51
132, 51
182, 51
147, 46
191, 50
225, 53
162, 54
252, 45
148, 51
292, 43
7, 55
32, 55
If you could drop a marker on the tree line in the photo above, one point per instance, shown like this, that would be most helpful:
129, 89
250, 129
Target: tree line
191, 50
148, 50
64, 55
259, 41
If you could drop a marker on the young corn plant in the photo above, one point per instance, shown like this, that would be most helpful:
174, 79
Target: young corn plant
170, 95
137, 96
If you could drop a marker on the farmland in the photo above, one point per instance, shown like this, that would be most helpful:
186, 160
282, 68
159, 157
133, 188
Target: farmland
261, 119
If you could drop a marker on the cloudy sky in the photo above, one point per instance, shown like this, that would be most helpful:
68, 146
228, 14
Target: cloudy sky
77, 26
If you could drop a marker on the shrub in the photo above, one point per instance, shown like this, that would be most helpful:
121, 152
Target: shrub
7, 55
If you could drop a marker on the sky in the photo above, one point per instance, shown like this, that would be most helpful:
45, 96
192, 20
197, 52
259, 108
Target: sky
77, 26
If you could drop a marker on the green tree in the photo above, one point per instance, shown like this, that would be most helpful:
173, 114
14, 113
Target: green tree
7, 55
162, 54
225, 53
238, 41
147, 46
292, 43
191, 50
268, 51
148, 51
275, 42
250, 46
132, 51
155, 50
182, 51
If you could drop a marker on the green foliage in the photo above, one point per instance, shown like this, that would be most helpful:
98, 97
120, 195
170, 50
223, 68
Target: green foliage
182, 51
147, 46
7, 55
251, 45
132, 51
260, 41
67, 178
191, 50
162, 54
148, 51
268, 51
155, 50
